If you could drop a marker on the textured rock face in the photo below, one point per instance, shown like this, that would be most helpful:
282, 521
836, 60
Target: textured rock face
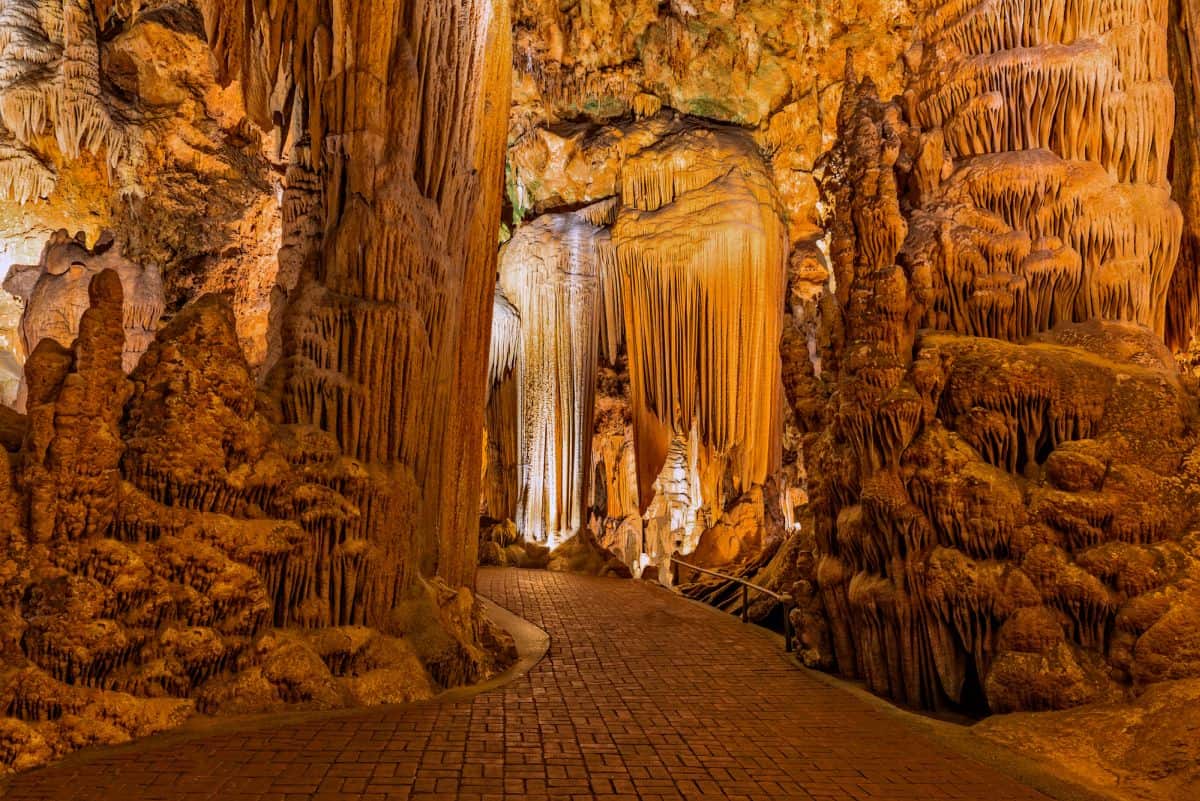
112, 119
55, 292
170, 550
773, 67
1183, 310
1139, 750
389, 227
1003, 509
174, 535
677, 263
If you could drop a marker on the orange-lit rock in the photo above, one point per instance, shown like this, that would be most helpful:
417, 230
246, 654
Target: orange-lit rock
1003, 507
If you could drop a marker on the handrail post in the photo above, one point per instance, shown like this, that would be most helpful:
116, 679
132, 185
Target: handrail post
787, 625
745, 604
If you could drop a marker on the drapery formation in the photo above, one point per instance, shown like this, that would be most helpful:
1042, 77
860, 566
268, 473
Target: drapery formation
550, 271
681, 268
698, 253
1053, 121
393, 113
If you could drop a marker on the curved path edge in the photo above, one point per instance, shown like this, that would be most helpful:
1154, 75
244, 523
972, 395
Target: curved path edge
1054, 780
532, 645
621, 692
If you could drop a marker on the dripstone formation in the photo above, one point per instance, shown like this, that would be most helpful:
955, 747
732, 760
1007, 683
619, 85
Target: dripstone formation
1004, 479
177, 540
890, 305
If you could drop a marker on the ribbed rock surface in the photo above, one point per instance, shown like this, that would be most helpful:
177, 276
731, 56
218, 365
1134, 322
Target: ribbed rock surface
1003, 506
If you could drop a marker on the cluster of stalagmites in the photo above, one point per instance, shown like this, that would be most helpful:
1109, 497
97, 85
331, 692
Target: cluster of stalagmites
169, 549
671, 274
1005, 472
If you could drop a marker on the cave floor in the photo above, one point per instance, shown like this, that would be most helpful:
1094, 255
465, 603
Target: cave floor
643, 695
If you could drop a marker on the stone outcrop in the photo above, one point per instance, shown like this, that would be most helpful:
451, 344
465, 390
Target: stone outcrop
169, 550
1002, 484
55, 293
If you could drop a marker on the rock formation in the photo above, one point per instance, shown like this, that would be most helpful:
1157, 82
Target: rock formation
169, 551
772, 67
635, 281
1183, 311
115, 107
995, 460
55, 292
389, 115
550, 270
677, 257
176, 536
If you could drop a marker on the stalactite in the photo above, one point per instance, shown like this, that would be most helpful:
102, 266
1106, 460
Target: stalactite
1058, 123
550, 271
405, 129
701, 300
50, 85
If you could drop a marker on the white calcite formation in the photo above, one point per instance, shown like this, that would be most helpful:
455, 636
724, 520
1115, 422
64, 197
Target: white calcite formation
550, 271
678, 273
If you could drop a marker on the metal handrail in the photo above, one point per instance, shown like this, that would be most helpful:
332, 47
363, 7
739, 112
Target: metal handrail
787, 600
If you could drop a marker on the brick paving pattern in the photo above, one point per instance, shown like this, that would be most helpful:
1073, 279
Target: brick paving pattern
643, 697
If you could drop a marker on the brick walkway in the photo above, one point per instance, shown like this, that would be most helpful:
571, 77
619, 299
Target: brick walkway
642, 696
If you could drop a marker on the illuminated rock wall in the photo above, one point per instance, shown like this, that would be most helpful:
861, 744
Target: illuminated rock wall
385, 342
1003, 479
177, 541
1056, 120
684, 243
110, 118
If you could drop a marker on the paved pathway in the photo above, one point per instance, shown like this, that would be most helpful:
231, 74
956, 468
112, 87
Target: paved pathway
643, 695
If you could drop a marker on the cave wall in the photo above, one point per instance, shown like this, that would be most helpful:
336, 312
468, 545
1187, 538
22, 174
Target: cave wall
1183, 45
112, 119
981, 275
1002, 478
181, 539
